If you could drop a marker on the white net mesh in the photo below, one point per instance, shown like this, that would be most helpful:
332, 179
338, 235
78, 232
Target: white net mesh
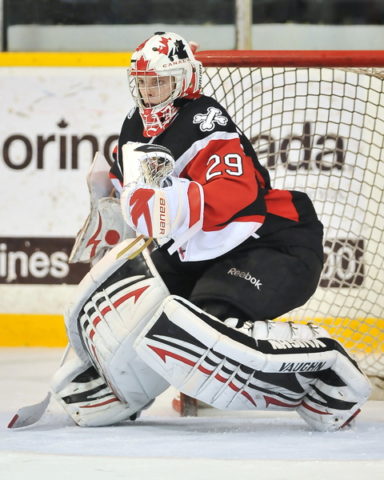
321, 130
155, 167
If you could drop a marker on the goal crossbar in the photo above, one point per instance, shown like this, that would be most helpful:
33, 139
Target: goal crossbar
292, 58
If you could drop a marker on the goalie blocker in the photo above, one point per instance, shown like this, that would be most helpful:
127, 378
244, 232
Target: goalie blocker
272, 365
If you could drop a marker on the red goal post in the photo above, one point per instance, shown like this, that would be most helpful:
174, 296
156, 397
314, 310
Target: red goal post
316, 120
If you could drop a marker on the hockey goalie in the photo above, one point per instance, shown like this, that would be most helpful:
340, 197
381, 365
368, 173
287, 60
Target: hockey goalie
204, 255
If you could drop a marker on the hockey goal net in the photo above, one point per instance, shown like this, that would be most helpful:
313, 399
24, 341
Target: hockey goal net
316, 120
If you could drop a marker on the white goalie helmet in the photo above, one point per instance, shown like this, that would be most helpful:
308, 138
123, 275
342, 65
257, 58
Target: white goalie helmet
163, 69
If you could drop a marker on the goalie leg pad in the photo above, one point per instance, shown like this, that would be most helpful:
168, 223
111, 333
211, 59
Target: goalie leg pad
229, 369
335, 397
86, 397
115, 301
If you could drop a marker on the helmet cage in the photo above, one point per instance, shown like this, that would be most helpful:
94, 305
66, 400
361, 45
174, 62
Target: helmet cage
156, 90
145, 84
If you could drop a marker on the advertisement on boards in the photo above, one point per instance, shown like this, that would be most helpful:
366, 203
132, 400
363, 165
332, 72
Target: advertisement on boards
55, 119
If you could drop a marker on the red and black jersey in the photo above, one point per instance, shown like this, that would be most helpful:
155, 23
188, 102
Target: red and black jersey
239, 200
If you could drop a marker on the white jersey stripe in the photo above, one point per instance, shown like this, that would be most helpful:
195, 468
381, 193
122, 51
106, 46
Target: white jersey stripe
198, 146
207, 245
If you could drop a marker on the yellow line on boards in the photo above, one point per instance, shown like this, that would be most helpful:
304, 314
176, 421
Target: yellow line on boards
361, 335
65, 59
27, 330
365, 335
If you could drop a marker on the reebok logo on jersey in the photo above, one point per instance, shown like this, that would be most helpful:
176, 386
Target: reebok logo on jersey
207, 120
246, 276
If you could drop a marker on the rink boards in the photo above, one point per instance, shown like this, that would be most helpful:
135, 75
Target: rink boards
58, 110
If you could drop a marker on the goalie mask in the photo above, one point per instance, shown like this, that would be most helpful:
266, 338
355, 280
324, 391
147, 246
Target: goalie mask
163, 69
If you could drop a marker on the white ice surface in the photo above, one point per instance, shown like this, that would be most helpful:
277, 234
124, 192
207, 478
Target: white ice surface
161, 445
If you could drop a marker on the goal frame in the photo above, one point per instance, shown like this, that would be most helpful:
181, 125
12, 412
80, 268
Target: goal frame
365, 60
368, 63
292, 58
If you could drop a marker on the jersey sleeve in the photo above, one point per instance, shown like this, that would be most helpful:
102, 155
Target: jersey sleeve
209, 150
234, 206
230, 186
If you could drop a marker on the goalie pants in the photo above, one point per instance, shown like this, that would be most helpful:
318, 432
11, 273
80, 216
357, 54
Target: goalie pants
250, 282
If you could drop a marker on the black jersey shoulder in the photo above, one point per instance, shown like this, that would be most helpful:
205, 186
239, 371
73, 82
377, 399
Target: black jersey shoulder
132, 129
205, 105
196, 120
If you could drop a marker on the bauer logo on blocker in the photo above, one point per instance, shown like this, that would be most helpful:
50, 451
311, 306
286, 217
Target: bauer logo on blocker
245, 276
